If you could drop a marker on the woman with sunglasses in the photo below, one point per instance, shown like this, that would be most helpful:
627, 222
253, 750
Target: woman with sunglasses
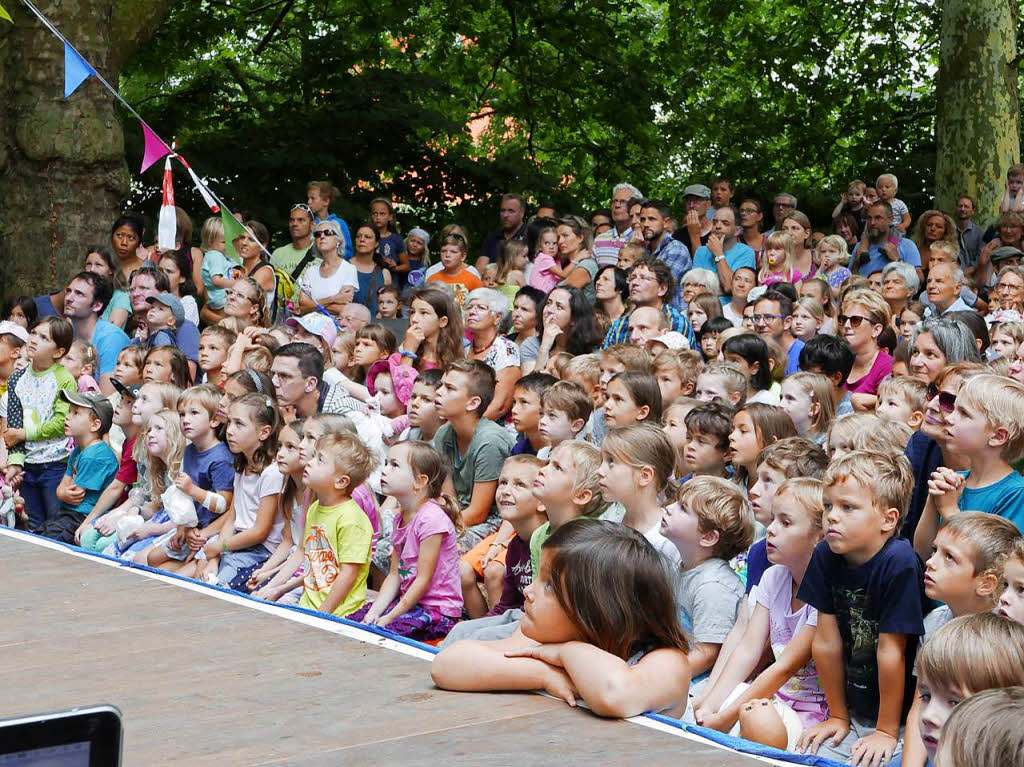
334, 281
864, 316
938, 342
927, 447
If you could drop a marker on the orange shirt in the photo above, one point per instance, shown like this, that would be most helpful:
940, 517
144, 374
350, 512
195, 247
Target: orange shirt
462, 283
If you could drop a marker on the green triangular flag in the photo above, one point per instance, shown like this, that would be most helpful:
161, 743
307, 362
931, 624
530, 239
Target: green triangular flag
5, 15
232, 228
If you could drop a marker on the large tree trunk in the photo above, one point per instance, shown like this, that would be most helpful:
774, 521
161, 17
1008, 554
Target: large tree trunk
977, 127
63, 175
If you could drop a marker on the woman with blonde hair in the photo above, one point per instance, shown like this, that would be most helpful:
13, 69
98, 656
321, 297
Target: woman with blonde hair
933, 226
863, 317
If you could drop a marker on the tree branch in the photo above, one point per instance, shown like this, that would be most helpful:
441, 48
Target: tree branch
132, 24
273, 28
239, 77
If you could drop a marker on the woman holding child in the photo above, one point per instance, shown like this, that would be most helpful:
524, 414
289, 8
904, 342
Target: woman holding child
574, 244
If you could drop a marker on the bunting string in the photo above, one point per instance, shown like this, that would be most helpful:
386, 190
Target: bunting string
77, 70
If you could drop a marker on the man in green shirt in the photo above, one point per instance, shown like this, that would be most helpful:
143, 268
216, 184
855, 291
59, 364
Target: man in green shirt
300, 228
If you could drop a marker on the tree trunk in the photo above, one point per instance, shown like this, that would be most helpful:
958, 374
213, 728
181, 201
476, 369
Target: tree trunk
63, 175
977, 126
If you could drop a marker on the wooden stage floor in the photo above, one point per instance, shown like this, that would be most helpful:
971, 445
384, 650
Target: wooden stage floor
207, 680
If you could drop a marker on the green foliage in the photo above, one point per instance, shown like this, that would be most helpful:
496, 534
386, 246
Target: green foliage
580, 94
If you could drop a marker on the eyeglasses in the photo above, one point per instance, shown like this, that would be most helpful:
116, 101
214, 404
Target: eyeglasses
231, 292
1009, 286
749, 210
854, 320
766, 318
947, 400
324, 233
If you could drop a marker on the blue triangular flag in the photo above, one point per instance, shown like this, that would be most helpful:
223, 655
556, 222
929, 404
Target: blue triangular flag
76, 70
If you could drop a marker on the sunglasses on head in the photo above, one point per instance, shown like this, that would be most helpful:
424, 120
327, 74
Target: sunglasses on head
303, 206
947, 400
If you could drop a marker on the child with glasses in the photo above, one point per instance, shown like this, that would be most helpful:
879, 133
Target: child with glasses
985, 427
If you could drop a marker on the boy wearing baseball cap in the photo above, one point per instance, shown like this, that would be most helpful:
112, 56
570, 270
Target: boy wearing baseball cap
163, 318
91, 467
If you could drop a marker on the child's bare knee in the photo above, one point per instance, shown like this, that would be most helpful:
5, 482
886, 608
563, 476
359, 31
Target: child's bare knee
494, 574
761, 723
467, 573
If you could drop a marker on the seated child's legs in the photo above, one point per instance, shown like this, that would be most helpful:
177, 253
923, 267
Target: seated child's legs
424, 624
762, 721
485, 629
494, 579
237, 566
472, 572
94, 540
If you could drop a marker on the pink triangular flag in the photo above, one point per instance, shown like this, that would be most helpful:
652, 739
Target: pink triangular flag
155, 147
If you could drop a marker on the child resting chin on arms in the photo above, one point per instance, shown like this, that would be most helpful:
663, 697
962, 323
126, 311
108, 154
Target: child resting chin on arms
598, 624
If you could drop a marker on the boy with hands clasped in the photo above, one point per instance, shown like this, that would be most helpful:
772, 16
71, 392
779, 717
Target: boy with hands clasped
867, 586
986, 428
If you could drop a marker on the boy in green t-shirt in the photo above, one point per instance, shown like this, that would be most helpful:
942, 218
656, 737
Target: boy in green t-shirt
338, 534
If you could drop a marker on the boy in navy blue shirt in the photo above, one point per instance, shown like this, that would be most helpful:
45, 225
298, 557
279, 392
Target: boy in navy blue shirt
868, 588
91, 467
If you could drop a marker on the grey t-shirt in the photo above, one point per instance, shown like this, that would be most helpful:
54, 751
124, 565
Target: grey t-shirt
490, 446
709, 596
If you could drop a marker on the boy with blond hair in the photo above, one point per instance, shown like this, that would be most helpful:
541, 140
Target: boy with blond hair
710, 524
965, 657
866, 431
867, 586
887, 185
986, 428
338, 533
902, 399
676, 371
568, 487
963, 574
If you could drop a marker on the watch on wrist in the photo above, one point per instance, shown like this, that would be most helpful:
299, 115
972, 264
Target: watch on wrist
720, 258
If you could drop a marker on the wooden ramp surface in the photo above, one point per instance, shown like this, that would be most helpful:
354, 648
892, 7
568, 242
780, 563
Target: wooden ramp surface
202, 681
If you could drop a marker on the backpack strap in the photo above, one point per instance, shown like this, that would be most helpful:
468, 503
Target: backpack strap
303, 263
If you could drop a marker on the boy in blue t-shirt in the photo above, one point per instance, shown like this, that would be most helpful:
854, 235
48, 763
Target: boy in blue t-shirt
986, 428
868, 588
91, 467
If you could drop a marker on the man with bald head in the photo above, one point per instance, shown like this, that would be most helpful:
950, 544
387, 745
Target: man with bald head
645, 324
651, 285
353, 317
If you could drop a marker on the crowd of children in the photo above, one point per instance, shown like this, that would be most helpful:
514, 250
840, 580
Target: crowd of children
804, 528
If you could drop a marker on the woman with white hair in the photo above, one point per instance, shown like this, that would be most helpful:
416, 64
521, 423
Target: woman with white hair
899, 285
485, 309
334, 280
697, 281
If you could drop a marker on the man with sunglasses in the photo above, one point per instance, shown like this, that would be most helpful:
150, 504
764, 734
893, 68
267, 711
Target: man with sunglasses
773, 314
300, 229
